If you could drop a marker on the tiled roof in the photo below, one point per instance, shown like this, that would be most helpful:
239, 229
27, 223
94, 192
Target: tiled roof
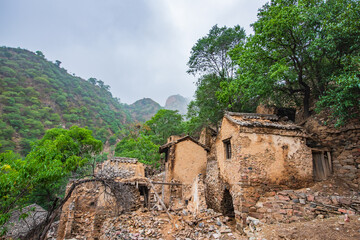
165, 146
260, 120
124, 160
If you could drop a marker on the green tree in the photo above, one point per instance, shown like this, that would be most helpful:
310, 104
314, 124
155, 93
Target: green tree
55, 157
92, 81
205, 108
342, 95
40, 54
164, 124
210, 59
297, 46
57, 63
210, 53
141, 148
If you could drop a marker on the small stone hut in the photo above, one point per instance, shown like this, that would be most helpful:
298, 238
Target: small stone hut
185, 159
255, 153
121, 187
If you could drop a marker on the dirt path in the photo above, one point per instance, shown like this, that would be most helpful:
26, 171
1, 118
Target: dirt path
318, 229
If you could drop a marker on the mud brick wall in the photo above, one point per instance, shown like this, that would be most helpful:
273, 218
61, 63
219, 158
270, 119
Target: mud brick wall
344, 143
290, 206
198, 203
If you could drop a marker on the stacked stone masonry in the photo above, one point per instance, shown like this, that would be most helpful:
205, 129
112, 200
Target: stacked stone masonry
344, 144
295, 205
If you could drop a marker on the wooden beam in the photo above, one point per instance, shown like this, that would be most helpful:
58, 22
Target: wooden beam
165, 183
161, 202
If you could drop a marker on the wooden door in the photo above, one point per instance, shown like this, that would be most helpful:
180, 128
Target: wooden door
321, 165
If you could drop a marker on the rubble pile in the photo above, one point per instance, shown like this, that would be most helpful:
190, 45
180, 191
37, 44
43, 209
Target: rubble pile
210, 225
156, 225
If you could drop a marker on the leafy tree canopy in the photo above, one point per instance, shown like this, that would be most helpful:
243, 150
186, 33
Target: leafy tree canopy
210, 59
164, 124
58, 154
210, 54
144, 140
141, 148
298, 47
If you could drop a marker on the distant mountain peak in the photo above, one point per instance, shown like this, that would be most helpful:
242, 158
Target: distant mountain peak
177, 102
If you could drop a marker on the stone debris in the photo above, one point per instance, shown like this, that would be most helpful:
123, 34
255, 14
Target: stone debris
144, 224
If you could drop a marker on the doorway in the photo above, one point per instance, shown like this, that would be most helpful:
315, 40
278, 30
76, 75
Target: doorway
227, 207
322, 167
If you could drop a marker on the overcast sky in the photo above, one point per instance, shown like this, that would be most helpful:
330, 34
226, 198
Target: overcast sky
138, 47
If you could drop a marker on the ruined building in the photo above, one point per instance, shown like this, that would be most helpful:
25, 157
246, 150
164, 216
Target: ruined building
121, 188
185, 160
255, 153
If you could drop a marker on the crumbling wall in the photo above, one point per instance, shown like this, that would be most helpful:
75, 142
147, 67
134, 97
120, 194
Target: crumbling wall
344, 143
213, 186
18, 228
91, 203
120, 167
197, 202
262, 158
274, 156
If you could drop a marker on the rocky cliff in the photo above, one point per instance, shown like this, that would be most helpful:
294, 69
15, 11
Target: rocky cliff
177, 102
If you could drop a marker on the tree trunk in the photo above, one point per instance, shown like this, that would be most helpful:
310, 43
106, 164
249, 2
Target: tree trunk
306, 102
307, 91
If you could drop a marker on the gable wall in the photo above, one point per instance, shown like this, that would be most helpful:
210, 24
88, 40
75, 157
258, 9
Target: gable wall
190, 160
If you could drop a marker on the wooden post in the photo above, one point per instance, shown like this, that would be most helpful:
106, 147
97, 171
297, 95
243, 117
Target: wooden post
160, 201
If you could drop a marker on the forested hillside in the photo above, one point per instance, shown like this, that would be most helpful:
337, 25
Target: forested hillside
36, 94
143, 109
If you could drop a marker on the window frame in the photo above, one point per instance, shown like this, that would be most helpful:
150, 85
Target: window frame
227, 148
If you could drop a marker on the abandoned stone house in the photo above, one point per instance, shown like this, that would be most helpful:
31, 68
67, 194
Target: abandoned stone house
123, 188
185, 159
253, 153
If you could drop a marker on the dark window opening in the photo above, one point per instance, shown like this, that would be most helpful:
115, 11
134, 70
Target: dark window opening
322, 167
227, 207
227, 146
144, 192
167, 155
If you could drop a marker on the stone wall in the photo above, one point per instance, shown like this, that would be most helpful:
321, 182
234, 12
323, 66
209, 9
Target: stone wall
197, 201
120, 167
344, 143
265, 155
303, 205
91, 203
214, 186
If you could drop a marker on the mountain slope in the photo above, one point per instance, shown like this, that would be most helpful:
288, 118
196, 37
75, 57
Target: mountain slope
36, 94
143, 109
